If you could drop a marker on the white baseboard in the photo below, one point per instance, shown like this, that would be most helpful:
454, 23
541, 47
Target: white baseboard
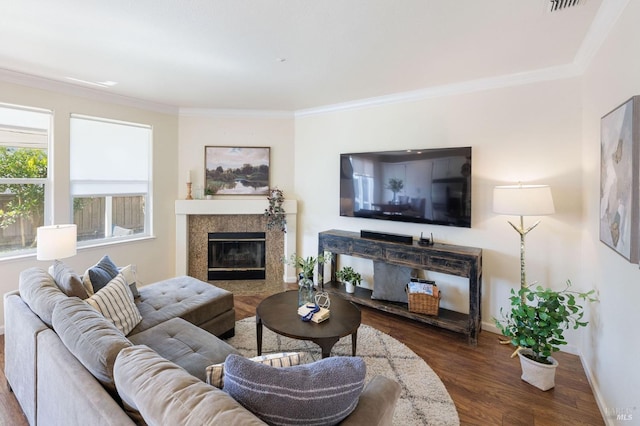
596, 393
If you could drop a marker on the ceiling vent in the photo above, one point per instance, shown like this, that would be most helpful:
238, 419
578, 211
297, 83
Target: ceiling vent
558, 5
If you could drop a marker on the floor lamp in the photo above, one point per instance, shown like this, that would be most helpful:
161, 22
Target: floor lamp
523, 200
56, 242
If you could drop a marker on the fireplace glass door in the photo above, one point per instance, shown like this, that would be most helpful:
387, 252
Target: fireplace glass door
236, 256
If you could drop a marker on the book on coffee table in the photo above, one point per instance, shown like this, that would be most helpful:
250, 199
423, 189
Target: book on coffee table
318, 317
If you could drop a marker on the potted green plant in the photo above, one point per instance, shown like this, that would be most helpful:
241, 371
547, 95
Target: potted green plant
275, 214
307, 264
536, 323
349, 277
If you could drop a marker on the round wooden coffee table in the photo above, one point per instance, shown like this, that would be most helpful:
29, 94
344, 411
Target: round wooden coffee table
279, 313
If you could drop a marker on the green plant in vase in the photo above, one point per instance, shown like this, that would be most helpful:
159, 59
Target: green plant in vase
275, 214
349, 277
536, 323
307, 265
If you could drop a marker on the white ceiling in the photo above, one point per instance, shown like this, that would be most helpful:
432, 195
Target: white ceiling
287, 55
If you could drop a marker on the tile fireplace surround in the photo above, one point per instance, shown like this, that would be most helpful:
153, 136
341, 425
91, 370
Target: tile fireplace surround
195, 218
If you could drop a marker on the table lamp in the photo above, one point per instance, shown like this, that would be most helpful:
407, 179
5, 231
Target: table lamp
523, 200
56, 242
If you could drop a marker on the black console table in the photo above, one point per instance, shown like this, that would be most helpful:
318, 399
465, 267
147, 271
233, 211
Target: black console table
448, 259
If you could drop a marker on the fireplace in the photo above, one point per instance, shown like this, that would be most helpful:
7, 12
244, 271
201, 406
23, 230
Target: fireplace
196, 218
236, 256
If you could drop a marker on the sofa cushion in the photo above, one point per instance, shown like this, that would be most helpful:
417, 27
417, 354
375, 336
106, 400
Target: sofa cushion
90, 337
323, 392
215, 372
165, 394
99, 275
185, 297
115, 302
40, 292
67, 280
181, 342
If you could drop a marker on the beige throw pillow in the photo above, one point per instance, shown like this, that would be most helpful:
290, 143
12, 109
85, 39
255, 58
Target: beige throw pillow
115, 302
215, 372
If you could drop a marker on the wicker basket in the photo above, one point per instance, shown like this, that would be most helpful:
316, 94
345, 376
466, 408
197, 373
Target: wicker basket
421, 303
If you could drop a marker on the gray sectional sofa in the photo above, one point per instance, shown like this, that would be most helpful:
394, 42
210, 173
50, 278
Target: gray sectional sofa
60, 355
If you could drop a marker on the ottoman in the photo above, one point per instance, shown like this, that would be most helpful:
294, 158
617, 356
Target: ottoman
202, 304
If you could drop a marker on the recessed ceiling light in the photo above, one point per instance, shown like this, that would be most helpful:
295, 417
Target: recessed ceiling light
107, 83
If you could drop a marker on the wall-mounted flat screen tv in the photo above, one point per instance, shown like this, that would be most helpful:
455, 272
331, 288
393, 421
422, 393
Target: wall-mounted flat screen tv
430, 186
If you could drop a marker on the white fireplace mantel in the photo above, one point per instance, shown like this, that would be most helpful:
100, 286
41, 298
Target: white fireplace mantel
185, 208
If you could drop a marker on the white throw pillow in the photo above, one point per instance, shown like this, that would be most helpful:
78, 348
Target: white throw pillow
215, 372
115, 302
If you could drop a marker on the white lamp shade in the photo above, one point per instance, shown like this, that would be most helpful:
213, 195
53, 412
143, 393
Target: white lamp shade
56, 242
523, 200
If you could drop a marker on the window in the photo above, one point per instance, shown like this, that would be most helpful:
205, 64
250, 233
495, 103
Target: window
363, 171
25, 200
110, 178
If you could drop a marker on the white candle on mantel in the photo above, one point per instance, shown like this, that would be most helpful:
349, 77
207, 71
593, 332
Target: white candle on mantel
188, 176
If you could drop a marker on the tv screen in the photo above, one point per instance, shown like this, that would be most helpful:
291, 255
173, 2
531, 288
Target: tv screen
421, 185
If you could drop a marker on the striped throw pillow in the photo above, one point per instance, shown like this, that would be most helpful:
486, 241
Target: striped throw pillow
215, 372
321, 393
115, 302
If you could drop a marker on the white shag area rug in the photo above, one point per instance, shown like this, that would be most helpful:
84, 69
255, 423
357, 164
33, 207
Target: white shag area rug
424, 399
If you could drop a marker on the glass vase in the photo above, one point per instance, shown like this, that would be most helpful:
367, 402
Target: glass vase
305, 291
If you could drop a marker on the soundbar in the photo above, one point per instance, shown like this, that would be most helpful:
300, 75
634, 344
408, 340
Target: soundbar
381, 236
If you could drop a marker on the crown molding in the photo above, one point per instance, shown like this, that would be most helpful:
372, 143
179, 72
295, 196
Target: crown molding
235, 113
33, 81
490, 83
603, 23
607, 16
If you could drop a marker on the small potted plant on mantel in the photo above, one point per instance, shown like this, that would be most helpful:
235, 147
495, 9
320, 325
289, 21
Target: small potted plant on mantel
350, 278
535, 324
275, 214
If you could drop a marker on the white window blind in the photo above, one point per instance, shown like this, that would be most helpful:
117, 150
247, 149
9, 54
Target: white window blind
108, 157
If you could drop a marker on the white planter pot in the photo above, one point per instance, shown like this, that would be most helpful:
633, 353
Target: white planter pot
540, 375
350, 288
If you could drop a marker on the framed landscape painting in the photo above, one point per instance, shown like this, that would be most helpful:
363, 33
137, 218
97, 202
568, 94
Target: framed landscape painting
236, 170
619, 179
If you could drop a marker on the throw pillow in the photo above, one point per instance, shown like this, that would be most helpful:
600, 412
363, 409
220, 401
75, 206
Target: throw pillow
67, 280
324, 392
215, 372
100, 274
130, 275
115, 302
390, 281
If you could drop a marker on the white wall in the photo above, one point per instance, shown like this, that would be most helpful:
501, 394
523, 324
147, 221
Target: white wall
611, 348
212, 128
539, 133
154, 257
527, 133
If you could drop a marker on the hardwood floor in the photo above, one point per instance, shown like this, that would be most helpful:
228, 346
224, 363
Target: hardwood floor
483, 381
